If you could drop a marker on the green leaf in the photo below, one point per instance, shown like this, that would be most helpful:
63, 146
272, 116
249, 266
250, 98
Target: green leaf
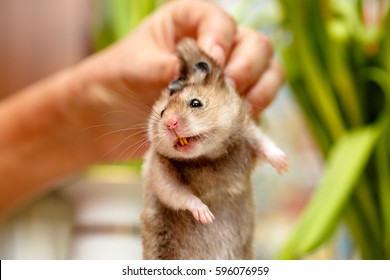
363, 219
126, 14
385, 47
383, 163
320, 92
347, 160
119, 17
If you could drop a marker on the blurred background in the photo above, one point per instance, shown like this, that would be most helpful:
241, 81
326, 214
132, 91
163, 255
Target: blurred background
331, 118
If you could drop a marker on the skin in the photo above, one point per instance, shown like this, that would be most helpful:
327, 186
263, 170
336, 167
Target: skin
67, 121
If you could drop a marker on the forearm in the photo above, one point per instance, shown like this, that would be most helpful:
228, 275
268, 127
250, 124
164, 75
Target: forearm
44, 136
93, 112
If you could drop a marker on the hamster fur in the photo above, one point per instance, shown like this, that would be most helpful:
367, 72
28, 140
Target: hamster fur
198, 201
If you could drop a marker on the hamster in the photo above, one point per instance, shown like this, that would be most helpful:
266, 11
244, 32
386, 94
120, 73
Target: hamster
198, 201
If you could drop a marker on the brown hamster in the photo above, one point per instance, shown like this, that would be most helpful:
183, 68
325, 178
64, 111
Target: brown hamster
204, 145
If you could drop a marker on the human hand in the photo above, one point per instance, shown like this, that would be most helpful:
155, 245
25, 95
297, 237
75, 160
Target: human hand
146, 60
138, 67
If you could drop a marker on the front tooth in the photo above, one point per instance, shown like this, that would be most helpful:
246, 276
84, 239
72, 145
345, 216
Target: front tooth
185, 141
181, 141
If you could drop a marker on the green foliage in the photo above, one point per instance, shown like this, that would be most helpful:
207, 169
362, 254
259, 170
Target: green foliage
338, 68
334, 191
116, 18
337, 65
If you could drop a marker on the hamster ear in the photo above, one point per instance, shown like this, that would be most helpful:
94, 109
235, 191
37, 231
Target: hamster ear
196, 66
200, 72
201, 66
177, 85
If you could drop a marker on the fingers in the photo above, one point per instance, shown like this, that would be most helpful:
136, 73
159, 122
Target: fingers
213, 28
264, 91
252, 71
246, 53
216, 35
251, 55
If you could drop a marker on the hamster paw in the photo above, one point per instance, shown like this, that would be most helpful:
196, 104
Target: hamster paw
278, 159
201, 212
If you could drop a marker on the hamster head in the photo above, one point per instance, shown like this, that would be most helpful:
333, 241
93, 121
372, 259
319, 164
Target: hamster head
199, 111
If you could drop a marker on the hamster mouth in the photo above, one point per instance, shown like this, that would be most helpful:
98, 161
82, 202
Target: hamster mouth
185, 141
182, 141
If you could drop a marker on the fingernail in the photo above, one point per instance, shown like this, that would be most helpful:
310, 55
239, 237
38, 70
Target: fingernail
218, 54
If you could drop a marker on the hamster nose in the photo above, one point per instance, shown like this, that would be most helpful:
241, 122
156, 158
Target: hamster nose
172, 122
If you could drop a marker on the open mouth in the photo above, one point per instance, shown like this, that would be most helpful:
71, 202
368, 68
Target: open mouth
182, 141
185, 141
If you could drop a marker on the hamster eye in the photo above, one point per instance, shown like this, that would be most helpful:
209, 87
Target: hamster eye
162, 112
194, 103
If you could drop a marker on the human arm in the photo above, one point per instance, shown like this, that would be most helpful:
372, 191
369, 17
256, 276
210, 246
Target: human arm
95, 111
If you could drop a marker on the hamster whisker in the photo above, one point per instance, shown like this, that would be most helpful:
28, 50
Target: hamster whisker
134, 134
121, 130
142, 131
114, 112
140, 143
122, 142
155, 113
145, 144
134, 126
154, 118
157, 144
100, 125
132, 98
214, 137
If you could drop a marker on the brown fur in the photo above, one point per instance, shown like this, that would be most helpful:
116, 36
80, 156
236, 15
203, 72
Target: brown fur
174, 234
215, 172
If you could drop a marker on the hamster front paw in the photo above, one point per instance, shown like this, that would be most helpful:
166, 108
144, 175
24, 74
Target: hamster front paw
278, 159
201, 212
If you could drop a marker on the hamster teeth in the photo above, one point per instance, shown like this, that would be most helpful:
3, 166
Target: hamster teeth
183, 141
